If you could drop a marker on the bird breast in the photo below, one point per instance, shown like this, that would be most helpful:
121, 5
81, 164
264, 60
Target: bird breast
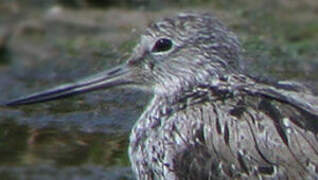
225, 137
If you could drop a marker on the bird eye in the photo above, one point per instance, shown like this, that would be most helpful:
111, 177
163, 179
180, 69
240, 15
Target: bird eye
162, 45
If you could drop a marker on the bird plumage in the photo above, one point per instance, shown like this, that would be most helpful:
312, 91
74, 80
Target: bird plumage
217, 132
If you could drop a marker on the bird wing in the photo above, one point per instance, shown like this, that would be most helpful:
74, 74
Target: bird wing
299, 97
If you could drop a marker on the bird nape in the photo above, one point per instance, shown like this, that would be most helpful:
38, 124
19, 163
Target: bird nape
208, 119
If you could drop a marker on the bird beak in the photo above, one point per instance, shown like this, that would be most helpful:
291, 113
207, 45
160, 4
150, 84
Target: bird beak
117, 76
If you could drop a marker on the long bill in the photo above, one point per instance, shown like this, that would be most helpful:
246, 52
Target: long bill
110, 78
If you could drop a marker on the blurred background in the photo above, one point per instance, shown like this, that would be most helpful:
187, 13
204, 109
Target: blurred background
44, 43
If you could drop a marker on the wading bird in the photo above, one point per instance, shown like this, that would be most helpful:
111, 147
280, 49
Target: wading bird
208, 118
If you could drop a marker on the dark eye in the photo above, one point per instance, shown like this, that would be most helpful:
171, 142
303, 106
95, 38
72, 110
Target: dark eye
162, 45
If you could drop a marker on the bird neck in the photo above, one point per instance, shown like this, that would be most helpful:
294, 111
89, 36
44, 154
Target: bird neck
211, 91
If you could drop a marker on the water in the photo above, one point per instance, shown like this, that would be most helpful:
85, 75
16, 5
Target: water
84, 137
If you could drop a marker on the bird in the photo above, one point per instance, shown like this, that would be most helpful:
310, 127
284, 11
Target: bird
208, 117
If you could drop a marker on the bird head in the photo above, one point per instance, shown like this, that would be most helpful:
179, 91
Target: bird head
181, 52
173, 55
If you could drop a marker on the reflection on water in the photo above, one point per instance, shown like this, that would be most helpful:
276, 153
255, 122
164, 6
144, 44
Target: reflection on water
41, 152
13, 142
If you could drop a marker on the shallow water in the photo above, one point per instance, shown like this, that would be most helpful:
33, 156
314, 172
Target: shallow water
86, 137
